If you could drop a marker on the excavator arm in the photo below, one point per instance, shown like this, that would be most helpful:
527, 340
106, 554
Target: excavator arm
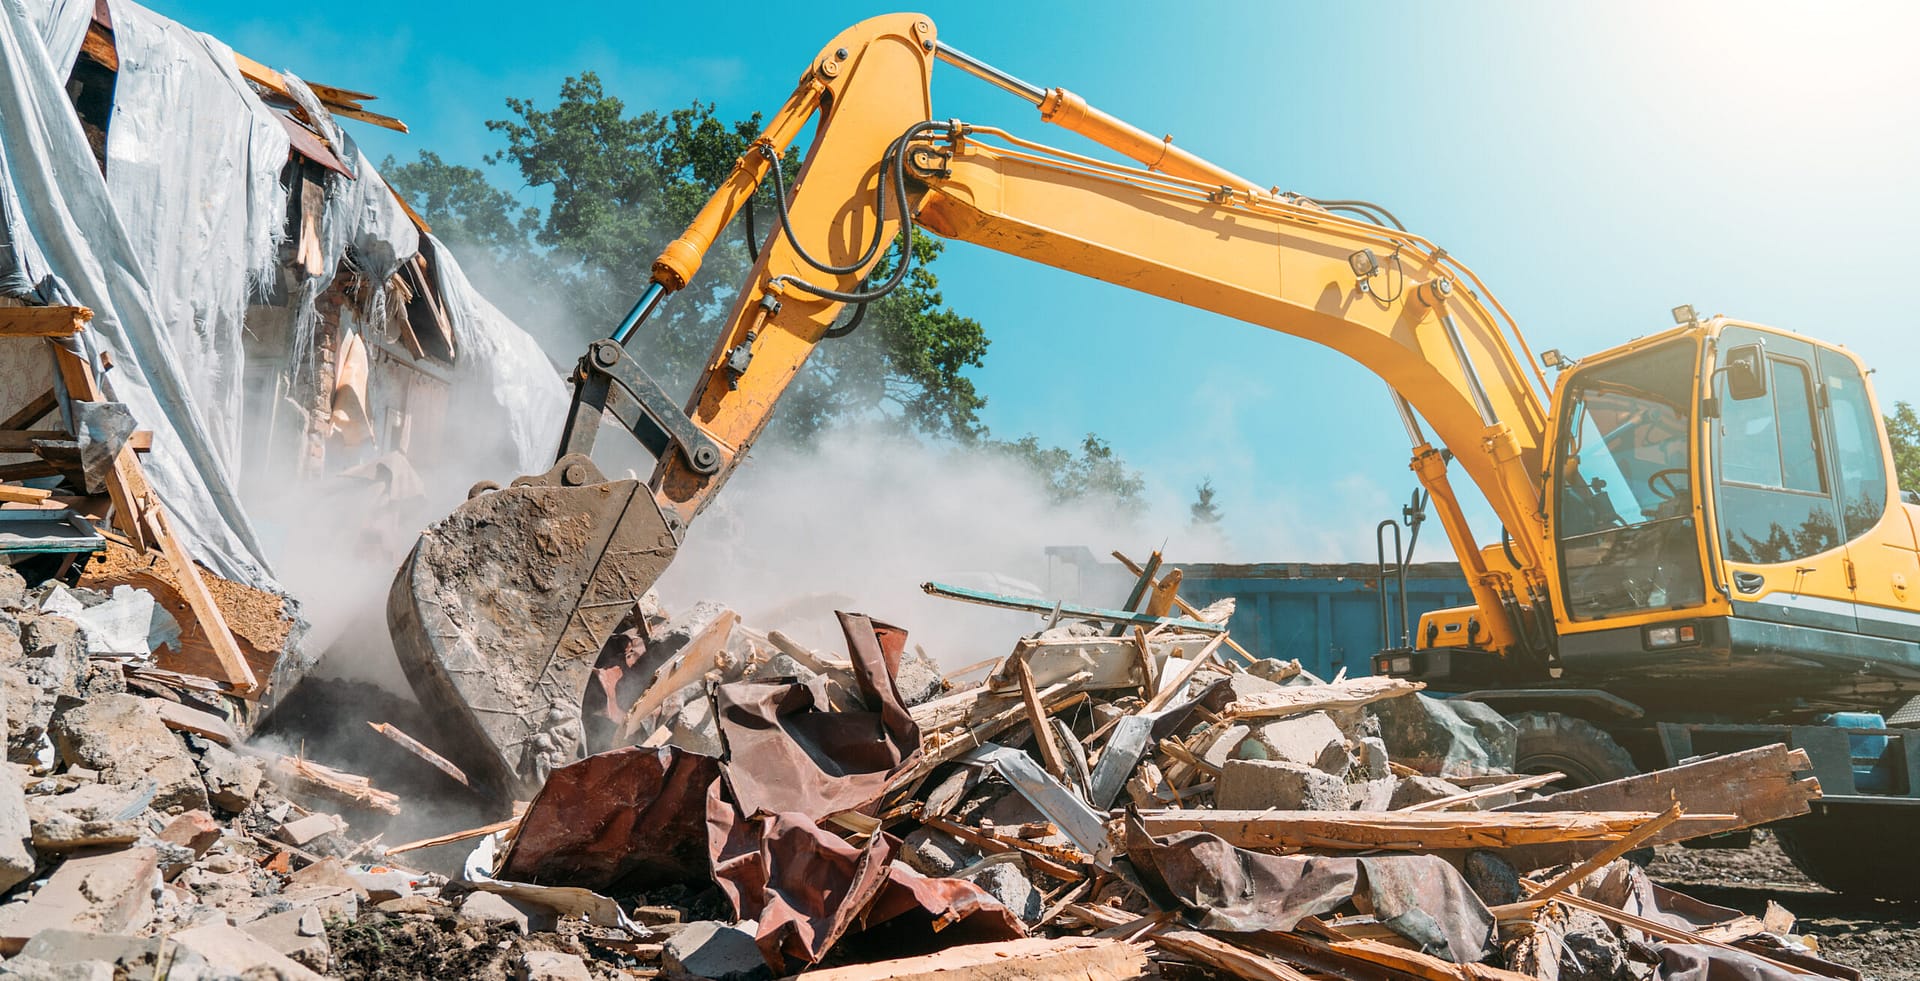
879, 165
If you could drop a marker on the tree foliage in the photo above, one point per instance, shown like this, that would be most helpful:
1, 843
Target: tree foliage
1903, 431
617, 186
1204, 511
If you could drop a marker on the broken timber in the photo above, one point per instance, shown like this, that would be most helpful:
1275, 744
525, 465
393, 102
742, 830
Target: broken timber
1751, 788
1401, 831
1350, 694
1079, 958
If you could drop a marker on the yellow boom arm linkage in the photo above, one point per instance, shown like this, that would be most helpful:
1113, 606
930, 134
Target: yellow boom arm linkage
1176, 226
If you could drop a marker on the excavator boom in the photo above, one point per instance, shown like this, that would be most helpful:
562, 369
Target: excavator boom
502, 608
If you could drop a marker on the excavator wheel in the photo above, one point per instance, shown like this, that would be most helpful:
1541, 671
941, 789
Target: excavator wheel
503, 606
1552, 742
1832, 847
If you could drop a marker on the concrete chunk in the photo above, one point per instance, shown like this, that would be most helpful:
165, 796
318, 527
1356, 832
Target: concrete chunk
1006, 883
123, 737
1309, 740
552, 965
233, 781
230, 950
300, 934
1255, 785
111, 892
716, 951
16, 830
25, 968
139, 957
487, 907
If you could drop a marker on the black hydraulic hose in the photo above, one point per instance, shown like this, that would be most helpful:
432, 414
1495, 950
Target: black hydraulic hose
753, 234
1364, 206
859, 314
786, 220
896, 158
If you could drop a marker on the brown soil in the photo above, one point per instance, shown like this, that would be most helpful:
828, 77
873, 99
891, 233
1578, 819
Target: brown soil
384, 947
1881, 939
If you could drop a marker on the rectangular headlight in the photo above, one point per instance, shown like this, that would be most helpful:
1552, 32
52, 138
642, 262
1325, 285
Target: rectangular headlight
1663, 636
1400, 665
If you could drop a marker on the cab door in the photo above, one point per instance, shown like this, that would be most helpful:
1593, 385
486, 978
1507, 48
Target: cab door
1779, 525
1883, 565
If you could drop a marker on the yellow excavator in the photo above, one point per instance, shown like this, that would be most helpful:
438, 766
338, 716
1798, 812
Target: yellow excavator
1701, 530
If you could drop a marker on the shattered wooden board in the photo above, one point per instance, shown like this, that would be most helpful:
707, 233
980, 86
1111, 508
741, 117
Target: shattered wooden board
1420, 831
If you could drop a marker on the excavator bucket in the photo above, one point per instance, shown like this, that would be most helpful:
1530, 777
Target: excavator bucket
500, 612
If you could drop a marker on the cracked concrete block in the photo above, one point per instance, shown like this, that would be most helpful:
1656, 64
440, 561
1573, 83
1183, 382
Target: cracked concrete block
299, 934
123, 737
1420, 789
715, 951
552, 965
930, 851
1309, 740
111, 892
1256, 785
1006, 883
138, 957
231, 950
233, 781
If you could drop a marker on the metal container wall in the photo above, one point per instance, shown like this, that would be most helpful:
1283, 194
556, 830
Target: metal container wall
1326, 615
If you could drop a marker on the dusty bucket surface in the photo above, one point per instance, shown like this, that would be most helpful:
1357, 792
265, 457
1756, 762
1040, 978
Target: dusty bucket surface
499, 613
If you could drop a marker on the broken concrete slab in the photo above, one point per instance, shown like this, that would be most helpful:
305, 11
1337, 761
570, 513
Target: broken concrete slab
329, 873
233, 781
25, 968
301, 831
137, 957
108, 892
231, 950
17, 860
552, 965
1443, 738
382, 886
195, 830
1255, 785
1420, 789
488, 908
1310, 740
123, 737
715, 951
299, 934
1006, 883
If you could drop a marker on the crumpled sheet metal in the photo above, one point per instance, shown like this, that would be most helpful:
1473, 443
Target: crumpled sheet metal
790, 753
623, 821
1698, 962
1420, 897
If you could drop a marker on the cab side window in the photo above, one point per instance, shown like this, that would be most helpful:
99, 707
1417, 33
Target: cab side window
1776, 501
1856, 445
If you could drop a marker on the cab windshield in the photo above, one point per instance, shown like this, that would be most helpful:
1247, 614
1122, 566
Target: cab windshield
1624, 495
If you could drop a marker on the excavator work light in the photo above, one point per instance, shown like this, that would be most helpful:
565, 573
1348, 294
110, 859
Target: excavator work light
1364, 264
1684, 315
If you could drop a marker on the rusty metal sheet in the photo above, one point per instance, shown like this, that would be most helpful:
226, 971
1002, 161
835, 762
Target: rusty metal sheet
622, 821
790, 752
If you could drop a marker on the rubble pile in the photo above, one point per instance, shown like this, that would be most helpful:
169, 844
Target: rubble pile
1122, 795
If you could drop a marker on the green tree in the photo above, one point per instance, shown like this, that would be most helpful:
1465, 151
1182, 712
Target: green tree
1205, 513
1096, 473
1903, 431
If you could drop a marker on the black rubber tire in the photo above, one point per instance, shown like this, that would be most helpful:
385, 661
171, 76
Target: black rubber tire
1552, 742
1856, 852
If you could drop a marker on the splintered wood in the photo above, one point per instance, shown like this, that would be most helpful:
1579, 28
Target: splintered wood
303, 775
1403, 831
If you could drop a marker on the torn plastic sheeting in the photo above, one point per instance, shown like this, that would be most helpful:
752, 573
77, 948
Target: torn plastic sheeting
528, 393
623, 821
130, 623
193, 166
64, 243
570, 900
1083, 825
1223, 887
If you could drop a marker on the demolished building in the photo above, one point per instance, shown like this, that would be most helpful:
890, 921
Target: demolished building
206, 289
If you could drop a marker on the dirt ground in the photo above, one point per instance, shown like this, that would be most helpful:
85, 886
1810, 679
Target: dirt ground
1881, 939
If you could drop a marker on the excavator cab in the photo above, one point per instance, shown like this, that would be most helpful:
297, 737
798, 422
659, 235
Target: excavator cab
1722, 508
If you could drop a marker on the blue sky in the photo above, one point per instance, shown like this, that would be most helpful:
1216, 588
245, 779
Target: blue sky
1596, 163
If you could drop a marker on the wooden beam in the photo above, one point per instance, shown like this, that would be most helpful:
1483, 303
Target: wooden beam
1400, 831
1752, 787
33, 411
1349, 694
1572, 877
23, 495
700, 655
21, 440
1171, 688
1493, 790
199, 599
1075, 958
1043, 735
43, 321
1185, 607
29, 470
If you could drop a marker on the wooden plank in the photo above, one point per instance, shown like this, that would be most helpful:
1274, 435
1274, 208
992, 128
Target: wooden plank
183, 718
1073, 610
23, 495
33, 411
127, 485
98, 45
938, 749
420, 749
1043, 735
1493, 790
1752, 787
1349, 694
1143, 582
1344, 958
1036, 857
193, 589
1671, 934
1400, 831
1172, 688
21, 440
699, 656
1185, 607
1076, 958
29, 470
1575, 875
1161, 596
1224, 956
43, 321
